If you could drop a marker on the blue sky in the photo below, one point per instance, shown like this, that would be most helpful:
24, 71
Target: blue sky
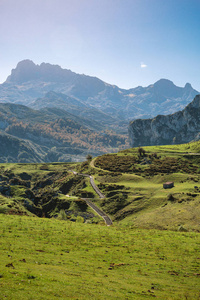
122, 42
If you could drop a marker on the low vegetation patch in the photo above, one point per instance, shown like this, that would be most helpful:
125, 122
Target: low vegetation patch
116, 163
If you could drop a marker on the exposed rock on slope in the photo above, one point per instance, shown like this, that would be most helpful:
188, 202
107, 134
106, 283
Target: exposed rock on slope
180, 127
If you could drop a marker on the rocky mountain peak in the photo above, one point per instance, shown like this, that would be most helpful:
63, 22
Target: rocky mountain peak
166, 87
187, 86
29, 81
26, 64
164, 83
26, 70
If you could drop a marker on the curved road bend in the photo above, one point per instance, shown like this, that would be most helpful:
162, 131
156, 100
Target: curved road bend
95, 188
100, 212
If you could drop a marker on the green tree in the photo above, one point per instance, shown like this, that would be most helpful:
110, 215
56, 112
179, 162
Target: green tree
141, 152
89, 157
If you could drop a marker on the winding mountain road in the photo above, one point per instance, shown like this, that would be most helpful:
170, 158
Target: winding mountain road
100, 212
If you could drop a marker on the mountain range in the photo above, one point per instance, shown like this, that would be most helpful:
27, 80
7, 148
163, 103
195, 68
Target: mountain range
54, 114
29, 81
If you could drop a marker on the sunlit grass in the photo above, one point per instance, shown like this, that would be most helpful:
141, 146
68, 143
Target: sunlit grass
49, 259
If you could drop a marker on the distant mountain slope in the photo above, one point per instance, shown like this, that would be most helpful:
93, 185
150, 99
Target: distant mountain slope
47, 113
77, 108
28, 82
180, 127
61, 135
14, 149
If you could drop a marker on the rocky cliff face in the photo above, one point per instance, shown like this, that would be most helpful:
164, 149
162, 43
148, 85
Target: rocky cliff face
180, 127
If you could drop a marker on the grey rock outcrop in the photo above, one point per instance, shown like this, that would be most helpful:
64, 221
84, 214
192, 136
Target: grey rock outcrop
180, 127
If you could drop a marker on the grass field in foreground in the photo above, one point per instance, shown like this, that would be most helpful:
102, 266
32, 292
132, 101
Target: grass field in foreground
52, 259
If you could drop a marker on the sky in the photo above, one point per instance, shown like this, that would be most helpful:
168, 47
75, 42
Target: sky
127, 43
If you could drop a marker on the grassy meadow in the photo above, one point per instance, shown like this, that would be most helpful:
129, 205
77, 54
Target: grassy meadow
52, 259
54, 246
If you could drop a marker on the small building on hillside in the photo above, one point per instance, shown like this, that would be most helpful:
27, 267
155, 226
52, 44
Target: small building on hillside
168, 185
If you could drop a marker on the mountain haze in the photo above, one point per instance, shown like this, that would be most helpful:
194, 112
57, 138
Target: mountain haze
29, 81
78, 108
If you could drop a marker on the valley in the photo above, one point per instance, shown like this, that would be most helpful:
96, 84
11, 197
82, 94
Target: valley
51, 119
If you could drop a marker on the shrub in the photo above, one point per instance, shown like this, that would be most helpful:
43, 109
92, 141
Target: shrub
3, 210
141, 152
79, 219
170, 197
89, 157
62, 215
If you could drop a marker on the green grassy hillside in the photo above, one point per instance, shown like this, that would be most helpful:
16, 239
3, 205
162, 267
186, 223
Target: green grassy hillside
53, 245
52, 259
131, 180
133, 185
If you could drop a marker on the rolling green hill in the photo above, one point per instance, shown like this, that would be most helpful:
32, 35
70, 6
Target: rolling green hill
131, 180
134, 186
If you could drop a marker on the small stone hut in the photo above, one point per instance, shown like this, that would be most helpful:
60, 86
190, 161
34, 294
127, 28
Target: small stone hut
168, 185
